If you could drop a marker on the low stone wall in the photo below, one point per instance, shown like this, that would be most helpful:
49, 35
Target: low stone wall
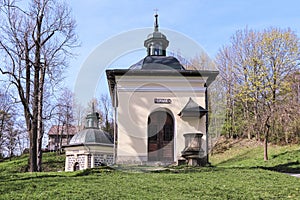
103, 159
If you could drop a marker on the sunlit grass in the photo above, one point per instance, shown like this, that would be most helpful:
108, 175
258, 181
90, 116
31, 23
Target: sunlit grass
238, 173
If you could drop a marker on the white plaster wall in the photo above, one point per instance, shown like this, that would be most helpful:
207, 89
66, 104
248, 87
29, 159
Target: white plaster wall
136, 102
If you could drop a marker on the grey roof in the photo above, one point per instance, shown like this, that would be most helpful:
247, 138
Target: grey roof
192, 109
158, 63
91, 136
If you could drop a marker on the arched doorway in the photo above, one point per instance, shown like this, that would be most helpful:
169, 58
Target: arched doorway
160, 136
76, 166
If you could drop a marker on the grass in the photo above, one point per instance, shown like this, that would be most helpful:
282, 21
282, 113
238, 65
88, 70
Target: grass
250, 155
237, 173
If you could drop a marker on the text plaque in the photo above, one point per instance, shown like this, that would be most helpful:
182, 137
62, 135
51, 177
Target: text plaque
162, 101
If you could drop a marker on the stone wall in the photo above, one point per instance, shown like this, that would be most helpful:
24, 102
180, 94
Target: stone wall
103, 159
73, 159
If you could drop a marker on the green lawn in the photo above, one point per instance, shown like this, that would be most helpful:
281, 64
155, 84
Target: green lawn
238, 173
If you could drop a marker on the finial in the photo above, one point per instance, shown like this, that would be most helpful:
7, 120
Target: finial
156, 20
93, 107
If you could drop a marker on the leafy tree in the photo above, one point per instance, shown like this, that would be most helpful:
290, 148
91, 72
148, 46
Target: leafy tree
255, 68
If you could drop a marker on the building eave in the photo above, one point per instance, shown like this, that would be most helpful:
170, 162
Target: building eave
88, 144
112, 73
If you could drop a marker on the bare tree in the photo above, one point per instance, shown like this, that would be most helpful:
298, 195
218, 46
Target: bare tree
79, 115
10, 131
35, 41
106, 113
5, 122
64, 116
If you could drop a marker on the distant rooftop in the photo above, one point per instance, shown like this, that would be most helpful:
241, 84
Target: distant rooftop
62, 130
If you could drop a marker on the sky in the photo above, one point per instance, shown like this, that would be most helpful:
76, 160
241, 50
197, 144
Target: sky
210, 23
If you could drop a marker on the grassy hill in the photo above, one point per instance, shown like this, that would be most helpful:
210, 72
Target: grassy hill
238, 172
249, 154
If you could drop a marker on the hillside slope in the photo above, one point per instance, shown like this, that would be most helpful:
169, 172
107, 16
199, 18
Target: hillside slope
249, 154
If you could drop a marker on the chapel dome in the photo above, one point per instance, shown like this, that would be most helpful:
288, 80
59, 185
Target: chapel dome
158, 63
91, 136
157, 35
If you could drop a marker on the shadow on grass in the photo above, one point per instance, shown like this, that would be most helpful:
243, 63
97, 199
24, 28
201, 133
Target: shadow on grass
29, 176
236, 158
285, 168
95, 171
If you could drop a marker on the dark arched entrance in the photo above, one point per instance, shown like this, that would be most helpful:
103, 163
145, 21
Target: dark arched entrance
160, 136
76, 166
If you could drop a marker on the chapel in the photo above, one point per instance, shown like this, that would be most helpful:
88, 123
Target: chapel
160, 108
90, 147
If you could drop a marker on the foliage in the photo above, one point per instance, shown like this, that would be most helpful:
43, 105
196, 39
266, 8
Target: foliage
258, 70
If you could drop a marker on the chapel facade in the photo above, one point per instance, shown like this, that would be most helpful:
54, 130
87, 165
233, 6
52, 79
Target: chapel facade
160, 108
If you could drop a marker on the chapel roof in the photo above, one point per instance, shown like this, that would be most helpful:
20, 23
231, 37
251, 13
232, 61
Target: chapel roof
91, 134
192, 109
158, 63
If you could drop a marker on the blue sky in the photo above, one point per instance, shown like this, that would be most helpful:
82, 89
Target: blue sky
210, 23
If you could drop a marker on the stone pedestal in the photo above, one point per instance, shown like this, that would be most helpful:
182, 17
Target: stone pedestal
193, 152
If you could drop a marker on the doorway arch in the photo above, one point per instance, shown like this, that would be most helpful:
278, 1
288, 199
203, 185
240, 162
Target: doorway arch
76, 166
160, 136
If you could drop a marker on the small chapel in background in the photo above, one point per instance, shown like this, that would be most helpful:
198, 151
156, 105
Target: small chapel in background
160, 108
90, 147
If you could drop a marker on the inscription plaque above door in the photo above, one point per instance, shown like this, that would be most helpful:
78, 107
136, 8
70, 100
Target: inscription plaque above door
162, 101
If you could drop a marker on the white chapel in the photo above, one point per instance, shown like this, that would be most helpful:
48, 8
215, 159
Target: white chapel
160, 108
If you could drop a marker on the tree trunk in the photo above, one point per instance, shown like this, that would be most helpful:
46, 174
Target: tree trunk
266, 143
40, 119
34, 130
266, 148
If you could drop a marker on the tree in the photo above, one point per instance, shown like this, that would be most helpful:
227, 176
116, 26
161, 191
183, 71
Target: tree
79, 115
106, 114
5, 121
64, 115
35, 41
10, 131
255, 67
